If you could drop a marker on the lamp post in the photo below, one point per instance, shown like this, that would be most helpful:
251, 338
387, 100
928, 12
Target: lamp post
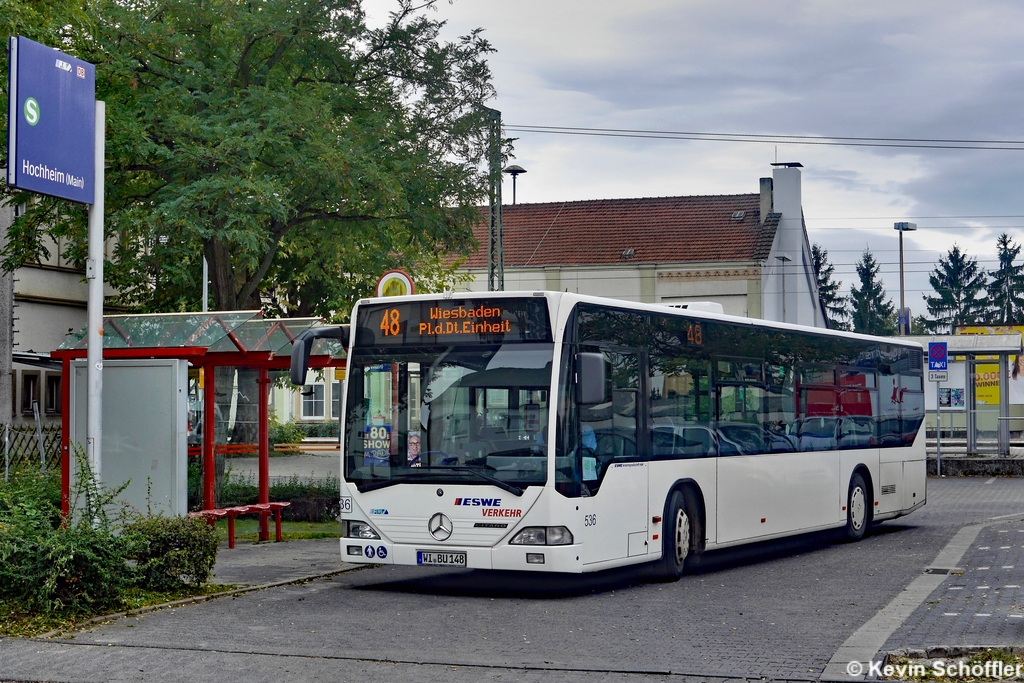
514, 171
904, 316
784, 260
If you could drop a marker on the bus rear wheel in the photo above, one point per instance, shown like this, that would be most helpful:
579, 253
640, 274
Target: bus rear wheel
678, 537
857, 508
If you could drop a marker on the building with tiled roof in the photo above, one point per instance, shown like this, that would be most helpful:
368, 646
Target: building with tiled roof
747, 252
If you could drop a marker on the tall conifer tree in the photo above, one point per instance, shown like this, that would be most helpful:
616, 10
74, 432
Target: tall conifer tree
872, 312
1006, 288
836, 305
958, 283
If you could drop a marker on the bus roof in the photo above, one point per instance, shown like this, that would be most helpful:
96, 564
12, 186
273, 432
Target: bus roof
559, 299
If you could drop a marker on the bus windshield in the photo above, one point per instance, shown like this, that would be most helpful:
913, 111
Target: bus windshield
448, 414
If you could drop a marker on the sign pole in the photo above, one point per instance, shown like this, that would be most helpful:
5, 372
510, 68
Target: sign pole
938, 433
94, 275
938, 371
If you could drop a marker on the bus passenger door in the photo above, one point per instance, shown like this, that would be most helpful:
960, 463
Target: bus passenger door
614, 515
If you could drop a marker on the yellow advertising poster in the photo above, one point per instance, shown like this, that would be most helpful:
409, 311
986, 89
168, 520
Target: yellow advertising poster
986, 376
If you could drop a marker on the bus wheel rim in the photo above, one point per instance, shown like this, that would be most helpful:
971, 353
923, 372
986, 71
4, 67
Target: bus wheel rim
857, 507
682, 536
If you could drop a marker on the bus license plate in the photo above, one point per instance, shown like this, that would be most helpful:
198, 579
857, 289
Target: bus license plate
441, 559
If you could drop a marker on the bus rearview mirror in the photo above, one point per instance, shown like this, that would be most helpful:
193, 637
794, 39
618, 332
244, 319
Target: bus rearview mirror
302, 346
590, 378
300, 359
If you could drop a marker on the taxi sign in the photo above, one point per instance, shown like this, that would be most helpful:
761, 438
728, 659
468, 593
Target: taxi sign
937, 356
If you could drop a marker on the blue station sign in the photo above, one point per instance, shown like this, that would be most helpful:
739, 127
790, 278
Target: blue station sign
51, 122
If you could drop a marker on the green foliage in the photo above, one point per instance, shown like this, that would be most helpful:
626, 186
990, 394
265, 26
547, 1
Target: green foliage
289, 432
311, 499
171, 552
1006, 287
836, 305
958, 283
302, 152
871, 311
321, 430
49, 566
53, 567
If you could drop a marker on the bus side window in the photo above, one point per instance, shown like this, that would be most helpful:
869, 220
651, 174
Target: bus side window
612, 424
679, 392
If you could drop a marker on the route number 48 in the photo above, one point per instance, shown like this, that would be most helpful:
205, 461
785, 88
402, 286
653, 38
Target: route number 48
390, 324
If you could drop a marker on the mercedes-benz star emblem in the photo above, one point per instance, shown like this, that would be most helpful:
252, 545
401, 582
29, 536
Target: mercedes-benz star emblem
440, 527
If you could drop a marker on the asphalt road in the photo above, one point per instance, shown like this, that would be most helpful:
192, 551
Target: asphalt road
776, 610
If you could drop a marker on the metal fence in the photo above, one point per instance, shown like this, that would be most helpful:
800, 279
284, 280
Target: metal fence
20, 446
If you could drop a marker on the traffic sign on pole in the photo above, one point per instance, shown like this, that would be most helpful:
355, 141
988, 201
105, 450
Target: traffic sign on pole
51, 120
937, 356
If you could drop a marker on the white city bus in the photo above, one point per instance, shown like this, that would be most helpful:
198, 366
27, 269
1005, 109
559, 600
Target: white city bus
557, 432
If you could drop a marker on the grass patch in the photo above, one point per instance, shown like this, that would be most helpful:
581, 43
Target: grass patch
977, 668
15, 621
247, 529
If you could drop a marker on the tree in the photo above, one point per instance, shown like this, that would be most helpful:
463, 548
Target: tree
872, 312
1006, 287
836, 305
300, 151
958, 283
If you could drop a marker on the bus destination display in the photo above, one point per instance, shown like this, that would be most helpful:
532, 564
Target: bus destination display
453, 321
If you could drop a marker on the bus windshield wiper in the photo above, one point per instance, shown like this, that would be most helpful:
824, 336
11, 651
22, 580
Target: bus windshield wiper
373, 485
505, 486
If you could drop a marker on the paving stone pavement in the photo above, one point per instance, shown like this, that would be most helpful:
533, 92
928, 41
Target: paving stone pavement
771, 611
981, 606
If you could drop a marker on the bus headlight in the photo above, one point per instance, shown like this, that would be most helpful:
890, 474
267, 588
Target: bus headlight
360, 530
543, 535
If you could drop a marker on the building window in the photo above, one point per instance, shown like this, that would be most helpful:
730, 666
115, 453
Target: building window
336, 389
29, 391
53, 394
313, 401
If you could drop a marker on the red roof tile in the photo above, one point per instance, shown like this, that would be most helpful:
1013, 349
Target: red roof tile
658, 229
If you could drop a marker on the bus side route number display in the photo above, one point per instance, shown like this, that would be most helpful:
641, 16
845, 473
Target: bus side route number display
695, 335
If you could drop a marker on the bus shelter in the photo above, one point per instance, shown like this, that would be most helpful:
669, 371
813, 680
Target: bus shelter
976, 399
233, 356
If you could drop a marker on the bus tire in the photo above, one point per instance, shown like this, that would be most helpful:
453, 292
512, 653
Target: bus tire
858, 508
678, 541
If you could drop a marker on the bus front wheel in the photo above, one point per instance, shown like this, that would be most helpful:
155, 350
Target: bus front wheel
678, 536
857, 508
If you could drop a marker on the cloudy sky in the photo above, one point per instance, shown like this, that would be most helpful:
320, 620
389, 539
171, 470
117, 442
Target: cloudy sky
912, 69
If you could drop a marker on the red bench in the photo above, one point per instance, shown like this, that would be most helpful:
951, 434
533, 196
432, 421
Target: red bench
262, 509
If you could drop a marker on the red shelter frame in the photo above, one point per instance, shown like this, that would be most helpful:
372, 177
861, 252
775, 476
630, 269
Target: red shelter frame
257, 353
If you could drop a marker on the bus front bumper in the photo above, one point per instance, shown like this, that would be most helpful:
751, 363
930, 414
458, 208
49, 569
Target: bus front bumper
538, 558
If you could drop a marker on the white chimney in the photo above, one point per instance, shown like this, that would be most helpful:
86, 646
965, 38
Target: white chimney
786, 200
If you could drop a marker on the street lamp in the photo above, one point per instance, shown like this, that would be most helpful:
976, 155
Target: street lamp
904, 317
514, 171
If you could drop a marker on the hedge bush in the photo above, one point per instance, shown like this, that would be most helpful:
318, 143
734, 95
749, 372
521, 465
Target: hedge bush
171, 553
85, 564
48, 565
320, 430
289, 432
313, 500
